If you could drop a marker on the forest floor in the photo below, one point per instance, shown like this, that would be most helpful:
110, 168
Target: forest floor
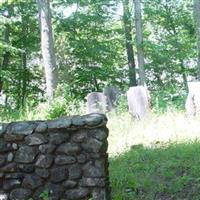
157, 158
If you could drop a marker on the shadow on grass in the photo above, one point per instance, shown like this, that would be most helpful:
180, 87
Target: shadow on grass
164, 173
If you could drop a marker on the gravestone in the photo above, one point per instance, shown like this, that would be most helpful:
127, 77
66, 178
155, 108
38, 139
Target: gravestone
112, 94
96, 102
192, 104
138, 101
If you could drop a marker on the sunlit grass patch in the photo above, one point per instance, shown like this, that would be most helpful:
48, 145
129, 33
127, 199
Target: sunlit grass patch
154, 130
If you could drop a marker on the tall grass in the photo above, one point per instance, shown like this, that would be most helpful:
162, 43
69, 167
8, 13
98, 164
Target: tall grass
172, 126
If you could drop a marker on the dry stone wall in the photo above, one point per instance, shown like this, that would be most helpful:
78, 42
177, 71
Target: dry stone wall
65, 158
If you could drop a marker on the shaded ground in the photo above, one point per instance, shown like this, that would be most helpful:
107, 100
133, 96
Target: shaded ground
164, 173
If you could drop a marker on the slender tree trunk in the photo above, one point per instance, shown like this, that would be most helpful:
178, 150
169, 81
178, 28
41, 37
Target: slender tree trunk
6, 56
184, 76
47, 46
25, 79
129, 45
197, 22
139, 40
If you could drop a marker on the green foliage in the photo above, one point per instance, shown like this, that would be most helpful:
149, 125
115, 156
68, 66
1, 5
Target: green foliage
44, 195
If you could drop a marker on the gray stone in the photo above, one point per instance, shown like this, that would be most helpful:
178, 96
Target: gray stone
35, 139
16, 175
96, 102
5, 147
27, 168
3, 128
22, 128
77, 193
92, 145
26, 154
95, 119
10, 157
58, 138
41, 127
75, 172
63, 160
47, 148
14, 146
92, 182
13, 137
79, 136
82, 158
61, 123
78, 121
11, 167
99, 194
68, 148
2, 160
90, 170
44, 173
112, 93
58, 174
69, 184
20, 194
11, 183
32, 181
99, 134
138, 101
55, 191
44, 161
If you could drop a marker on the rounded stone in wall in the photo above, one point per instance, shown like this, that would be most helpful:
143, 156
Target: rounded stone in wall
58, 174
20, 194
58, 138
63, 160
41, 127
35, 139
27, 168
43, 173
26, 154
75, 171
77, 193
11, 183
47, 148
44, 161
68, 148
2, 160
69, 184
32, 181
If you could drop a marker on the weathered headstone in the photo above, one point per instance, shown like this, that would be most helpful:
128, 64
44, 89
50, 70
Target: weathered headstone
96, 102
192, 104
138, 101
112, 94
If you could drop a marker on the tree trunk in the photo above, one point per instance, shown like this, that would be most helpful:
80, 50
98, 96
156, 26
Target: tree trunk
6, 55
139, 41
129, 45
47, 46
197, 22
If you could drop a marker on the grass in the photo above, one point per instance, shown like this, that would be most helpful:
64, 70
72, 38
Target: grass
157, 158
157, 174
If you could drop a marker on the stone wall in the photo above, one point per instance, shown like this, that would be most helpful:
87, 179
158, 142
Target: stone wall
65, 158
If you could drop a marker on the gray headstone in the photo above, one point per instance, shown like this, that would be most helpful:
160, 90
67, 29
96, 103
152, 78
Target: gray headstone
138, 101
112, 94
96, 102
192, 104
